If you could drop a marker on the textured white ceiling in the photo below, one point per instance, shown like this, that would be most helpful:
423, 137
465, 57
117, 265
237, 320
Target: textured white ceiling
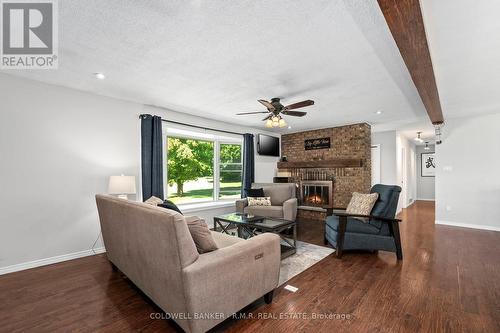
464, 40
216, 58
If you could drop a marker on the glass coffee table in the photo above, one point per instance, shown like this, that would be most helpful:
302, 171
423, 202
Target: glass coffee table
251, 225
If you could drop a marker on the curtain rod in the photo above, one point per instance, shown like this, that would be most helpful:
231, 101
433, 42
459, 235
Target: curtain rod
200, 127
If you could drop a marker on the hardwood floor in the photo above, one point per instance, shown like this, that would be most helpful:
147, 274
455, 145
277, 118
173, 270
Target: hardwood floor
449, 281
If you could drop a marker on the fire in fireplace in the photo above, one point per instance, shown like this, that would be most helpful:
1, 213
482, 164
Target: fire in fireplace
316, 193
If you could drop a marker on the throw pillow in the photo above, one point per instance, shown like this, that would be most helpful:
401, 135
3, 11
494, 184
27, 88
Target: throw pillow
362, 204
261, 201
154, 201
202, 236
254, 192
170, 205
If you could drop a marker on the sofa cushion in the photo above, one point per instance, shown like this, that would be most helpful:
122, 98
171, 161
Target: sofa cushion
170, 205
225, 240
387, 202
153, 201
254, 192
361, 204
202, 236
353, 225
279, 193
259, 201
267, 211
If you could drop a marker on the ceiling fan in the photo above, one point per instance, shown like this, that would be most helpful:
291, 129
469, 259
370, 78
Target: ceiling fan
275, 109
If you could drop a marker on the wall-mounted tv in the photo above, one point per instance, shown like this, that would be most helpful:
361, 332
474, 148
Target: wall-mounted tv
268, 145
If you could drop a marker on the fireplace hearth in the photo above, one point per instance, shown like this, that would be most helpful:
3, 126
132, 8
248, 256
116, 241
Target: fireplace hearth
316, 193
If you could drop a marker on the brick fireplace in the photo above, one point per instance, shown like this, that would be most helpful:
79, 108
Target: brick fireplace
346, 165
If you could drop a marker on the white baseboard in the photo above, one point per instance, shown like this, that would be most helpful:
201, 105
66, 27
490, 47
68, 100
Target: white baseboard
51, 260
424, 199
468, 225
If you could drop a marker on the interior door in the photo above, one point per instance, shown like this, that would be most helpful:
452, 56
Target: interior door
376, 167
403, 178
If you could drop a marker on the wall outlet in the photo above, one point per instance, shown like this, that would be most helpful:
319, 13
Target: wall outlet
448, 168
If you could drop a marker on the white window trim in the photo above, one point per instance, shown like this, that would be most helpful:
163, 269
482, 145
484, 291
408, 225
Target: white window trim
211, 136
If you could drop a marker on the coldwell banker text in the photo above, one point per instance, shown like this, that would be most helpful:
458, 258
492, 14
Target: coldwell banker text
29, 34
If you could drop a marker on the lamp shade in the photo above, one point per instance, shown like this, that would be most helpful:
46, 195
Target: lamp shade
121, 185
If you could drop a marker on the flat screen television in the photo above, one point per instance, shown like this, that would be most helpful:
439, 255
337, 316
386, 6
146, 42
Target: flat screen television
268, 145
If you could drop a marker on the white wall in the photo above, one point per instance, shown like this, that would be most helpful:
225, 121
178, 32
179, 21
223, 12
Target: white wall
387, 142
426, 186
58, 147
468, 173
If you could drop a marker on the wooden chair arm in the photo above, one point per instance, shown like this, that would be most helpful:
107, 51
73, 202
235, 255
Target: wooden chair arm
381, 218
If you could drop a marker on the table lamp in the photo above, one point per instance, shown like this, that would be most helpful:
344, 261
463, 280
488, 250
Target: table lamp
122, 185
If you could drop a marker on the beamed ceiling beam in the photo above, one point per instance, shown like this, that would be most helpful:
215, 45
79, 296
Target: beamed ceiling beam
404, 19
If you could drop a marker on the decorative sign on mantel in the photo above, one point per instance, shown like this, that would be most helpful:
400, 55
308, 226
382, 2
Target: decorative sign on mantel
321, 143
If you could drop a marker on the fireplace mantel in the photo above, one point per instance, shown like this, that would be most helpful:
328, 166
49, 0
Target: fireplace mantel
336, 163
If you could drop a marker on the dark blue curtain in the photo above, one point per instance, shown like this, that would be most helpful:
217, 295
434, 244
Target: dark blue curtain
248, 163
151, 157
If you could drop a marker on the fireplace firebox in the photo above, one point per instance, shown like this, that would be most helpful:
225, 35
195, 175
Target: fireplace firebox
316, 193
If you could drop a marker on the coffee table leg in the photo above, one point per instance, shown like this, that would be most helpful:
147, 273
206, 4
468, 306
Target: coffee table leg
295, 236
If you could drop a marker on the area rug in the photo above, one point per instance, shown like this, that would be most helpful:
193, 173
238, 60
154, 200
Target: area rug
306, 256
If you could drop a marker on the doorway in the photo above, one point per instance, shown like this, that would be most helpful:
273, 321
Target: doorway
376, 166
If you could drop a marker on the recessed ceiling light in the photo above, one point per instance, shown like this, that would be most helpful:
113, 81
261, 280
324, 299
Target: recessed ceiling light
379, 112
289, 127
99, 76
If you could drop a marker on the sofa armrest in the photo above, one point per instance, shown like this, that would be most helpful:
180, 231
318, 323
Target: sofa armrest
228, 279
341, 213
290, 209
241, 204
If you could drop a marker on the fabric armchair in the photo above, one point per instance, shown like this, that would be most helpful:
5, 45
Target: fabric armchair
283, 202
241, 204
290, 209
381, 232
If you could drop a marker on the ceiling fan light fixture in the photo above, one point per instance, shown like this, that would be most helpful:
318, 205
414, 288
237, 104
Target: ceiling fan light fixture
276, 121
275, 110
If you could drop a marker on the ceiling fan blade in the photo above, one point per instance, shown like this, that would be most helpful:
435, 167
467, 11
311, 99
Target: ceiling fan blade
243, 113
268, 105
299, 105
294, 113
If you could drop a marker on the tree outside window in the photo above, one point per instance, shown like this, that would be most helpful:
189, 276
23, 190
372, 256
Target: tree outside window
190, 170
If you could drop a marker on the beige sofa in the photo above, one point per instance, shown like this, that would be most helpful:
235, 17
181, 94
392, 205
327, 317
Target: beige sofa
283, 202
152, 246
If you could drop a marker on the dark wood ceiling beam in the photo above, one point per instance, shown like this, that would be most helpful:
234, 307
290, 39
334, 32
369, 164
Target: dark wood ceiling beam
404, 18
